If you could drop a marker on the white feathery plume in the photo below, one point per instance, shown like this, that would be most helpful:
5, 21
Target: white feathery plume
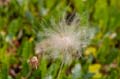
65, 40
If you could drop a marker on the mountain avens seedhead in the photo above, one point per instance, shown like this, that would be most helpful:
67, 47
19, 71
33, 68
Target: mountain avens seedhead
65, 40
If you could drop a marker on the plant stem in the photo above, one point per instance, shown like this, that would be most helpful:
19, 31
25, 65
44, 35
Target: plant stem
61, 66
29, 73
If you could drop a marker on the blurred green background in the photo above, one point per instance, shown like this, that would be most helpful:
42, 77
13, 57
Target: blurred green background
21, 22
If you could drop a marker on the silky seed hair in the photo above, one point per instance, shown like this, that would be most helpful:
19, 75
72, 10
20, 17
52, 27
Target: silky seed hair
64, 40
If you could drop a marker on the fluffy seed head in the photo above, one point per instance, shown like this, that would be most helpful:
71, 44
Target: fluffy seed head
65, 39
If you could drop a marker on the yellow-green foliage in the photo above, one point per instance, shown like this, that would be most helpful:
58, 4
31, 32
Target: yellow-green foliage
22, 23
